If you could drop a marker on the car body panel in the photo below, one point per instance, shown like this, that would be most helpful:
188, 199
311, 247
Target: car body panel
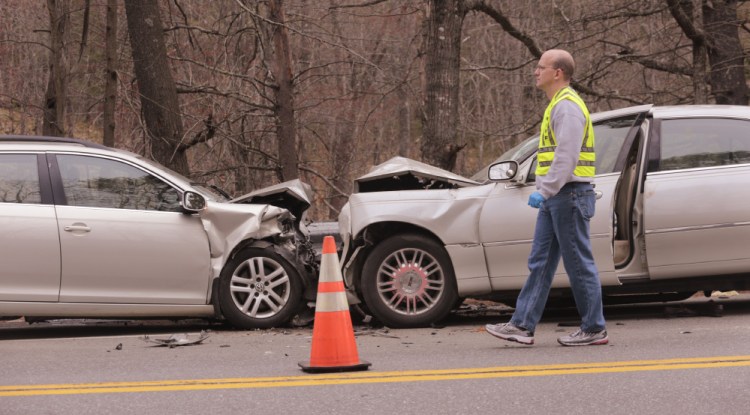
30, 252
681, 206
507, 237
122, 258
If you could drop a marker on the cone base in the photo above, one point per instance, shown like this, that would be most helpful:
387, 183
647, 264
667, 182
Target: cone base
362, 365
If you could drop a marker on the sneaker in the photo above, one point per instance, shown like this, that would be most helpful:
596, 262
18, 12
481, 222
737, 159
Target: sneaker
510, 332
582, 338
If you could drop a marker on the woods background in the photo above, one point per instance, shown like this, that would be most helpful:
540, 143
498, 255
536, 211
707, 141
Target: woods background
243, 94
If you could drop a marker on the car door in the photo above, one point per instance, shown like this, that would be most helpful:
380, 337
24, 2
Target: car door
29, 244
696, 203
123, 236
507, 222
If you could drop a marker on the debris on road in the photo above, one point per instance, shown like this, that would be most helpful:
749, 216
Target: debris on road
175, 340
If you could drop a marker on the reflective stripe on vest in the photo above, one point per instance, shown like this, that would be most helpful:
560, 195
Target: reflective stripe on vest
548, 142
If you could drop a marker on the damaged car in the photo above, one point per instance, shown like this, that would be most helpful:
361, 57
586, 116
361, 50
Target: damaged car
91, 231
672, 218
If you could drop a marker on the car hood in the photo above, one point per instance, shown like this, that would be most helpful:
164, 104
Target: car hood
401, 173
294, 196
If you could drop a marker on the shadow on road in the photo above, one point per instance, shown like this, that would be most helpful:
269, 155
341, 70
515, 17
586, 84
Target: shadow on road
68, 328
479, 312
470, 313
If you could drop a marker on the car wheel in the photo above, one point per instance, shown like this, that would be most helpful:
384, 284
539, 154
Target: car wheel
408, 281
259, 289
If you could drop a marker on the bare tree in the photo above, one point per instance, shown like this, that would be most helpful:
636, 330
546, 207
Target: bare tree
159, 105
725, 52
54, 100
284, 108
110, 88
442, 51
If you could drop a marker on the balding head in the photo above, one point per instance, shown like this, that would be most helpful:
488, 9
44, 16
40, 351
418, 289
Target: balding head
554, 71
562, 60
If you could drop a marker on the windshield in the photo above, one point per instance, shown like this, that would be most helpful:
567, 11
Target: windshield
519, 153
201, 188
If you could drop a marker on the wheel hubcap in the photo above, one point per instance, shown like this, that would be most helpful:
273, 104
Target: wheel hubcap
410, 281
260, 287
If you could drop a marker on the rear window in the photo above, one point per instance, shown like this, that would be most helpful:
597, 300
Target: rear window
707, 142
19, 179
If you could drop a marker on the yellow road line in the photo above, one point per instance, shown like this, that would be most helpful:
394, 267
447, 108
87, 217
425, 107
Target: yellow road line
379, 377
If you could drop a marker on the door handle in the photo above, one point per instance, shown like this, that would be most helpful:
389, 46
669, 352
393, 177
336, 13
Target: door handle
598, 194
77, 227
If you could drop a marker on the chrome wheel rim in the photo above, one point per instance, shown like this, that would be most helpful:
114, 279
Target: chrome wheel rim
260, 287
410, 281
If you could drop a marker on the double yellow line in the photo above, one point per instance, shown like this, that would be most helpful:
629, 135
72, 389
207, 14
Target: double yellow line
379, 377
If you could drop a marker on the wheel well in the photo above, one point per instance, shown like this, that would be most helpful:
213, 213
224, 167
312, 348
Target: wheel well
375, 233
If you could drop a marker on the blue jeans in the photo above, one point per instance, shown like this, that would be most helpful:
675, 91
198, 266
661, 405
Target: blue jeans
562, 229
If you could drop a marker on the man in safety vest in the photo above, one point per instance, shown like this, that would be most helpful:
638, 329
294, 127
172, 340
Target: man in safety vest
565, 198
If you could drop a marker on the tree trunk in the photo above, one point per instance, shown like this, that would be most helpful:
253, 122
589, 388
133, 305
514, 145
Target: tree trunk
284, 109
54, 99
110, 87
687, 14
404, 122
442, 64
725, 54
159, 104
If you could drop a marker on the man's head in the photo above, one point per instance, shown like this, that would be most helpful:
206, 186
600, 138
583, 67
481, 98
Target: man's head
554, 71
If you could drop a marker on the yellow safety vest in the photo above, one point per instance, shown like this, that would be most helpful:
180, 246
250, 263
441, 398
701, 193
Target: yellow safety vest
548, 142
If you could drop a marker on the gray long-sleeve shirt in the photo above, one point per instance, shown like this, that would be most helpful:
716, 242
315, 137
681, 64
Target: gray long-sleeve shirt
568, 123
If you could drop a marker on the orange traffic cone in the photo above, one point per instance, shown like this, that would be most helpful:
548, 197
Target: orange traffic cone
333, 346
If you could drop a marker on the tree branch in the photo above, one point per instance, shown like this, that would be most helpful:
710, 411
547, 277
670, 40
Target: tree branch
685, 22
499, 17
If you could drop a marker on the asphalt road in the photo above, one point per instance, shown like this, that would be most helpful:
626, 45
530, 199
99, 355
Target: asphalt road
680, 358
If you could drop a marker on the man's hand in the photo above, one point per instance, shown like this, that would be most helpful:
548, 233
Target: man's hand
536, 199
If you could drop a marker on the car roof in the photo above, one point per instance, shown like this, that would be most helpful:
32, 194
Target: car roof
46, 140
677, 111
681, 111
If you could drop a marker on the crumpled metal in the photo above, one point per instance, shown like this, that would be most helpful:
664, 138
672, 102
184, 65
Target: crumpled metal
176, 340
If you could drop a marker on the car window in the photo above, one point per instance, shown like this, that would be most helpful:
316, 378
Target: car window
19, 179
707, 142
609, 135
99, 182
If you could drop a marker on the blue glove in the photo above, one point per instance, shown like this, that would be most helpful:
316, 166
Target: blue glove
536, 199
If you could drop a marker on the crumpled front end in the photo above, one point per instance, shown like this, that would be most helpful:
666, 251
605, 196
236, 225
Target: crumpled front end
228, 225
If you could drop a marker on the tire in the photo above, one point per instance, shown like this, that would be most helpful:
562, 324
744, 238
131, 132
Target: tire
408, 281
258, 288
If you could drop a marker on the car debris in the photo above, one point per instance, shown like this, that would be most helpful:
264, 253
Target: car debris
724, 294
175, 340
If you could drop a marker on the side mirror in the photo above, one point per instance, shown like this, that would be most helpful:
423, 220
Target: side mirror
505, 170
193, 202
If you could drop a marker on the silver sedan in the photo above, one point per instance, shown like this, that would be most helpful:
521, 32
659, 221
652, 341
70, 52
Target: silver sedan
672, 218
91, 231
